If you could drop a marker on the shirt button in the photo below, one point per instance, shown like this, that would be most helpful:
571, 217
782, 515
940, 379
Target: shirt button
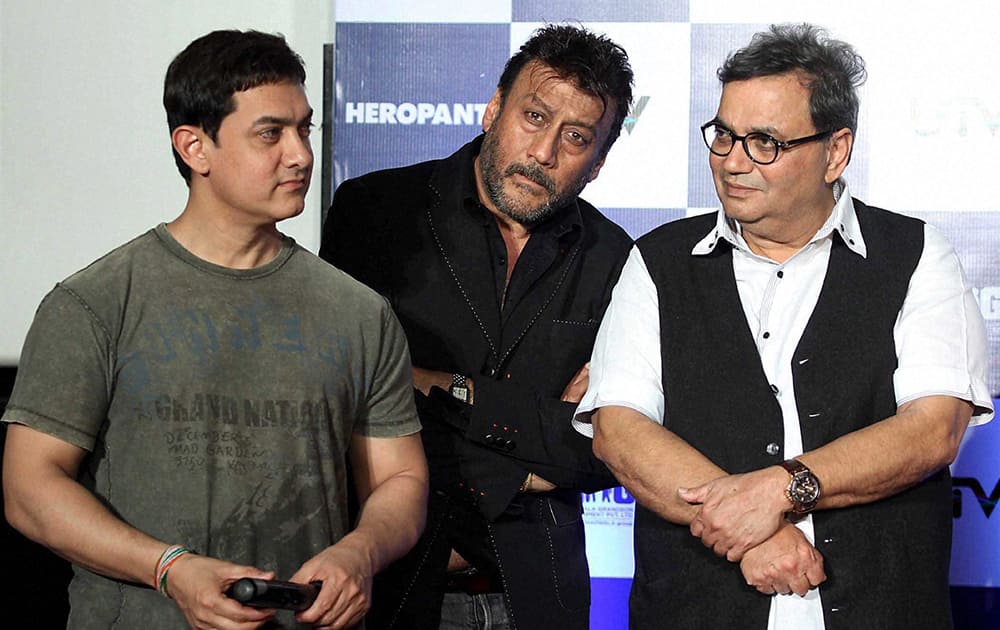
774, 388
773, 448
767, 335
781, 274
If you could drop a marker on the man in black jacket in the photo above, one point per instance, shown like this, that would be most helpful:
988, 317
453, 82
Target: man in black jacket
500, 276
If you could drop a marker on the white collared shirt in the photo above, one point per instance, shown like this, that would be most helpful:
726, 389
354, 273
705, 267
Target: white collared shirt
940, 340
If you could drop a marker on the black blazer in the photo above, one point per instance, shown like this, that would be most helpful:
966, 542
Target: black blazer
410, 234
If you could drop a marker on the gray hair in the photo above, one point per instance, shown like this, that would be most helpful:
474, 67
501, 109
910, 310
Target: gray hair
831, 69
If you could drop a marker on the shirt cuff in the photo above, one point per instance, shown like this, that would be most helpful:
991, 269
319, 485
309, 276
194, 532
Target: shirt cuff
913, 383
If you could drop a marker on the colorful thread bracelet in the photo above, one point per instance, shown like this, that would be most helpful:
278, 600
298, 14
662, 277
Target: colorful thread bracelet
167, 559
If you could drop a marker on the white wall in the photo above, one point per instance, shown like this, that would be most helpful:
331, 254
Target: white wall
85, 161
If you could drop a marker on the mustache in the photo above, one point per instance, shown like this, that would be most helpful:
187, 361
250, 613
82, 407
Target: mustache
533, 172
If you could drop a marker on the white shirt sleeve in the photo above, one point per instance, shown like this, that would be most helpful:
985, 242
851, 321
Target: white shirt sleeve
940, 334
625, 367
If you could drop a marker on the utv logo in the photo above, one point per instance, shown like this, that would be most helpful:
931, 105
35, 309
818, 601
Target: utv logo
414, 113
961, 117
633, 114
987, 503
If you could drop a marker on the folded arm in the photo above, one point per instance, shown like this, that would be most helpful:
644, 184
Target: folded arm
860, 467
516, 422
636, 449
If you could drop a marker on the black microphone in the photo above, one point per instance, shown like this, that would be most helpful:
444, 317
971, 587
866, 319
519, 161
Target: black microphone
274, 593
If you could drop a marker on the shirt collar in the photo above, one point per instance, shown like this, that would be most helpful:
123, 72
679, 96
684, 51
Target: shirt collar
843, 220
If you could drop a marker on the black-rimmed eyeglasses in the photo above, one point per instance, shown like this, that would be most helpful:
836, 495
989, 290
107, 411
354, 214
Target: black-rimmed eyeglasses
760, 147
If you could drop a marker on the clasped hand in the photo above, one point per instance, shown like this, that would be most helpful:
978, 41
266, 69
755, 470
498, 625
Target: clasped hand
738, 512
741, 517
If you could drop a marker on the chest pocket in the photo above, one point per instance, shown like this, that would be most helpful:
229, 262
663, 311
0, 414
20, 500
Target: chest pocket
570, 345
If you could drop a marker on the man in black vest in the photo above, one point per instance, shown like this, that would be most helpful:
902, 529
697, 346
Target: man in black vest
499, 275
782, 384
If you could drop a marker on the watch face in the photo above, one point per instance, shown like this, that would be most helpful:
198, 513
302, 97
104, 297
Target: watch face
804, 489
461, 393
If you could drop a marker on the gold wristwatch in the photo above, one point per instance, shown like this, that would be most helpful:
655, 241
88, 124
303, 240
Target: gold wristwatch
803, 489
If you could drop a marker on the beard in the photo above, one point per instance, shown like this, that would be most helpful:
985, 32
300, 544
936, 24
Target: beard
491, 160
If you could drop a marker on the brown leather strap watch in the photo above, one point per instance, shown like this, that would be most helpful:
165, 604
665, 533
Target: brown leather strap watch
803, 489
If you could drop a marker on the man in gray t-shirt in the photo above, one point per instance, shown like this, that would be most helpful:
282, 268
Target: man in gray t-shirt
185, 405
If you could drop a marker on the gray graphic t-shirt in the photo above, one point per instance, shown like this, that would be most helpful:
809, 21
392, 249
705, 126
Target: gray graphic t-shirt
217, 405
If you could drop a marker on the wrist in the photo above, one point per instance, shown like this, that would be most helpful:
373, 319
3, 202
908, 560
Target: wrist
803, 488
526, 485
462, 388
364, 545
167, 560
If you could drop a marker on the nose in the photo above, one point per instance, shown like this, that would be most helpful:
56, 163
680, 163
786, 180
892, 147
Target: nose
737, 161
545, 147
297, 151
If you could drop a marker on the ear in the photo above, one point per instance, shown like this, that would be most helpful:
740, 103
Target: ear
492, 111
189, 142
838, 154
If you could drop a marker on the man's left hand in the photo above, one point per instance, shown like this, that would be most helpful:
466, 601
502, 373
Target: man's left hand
346, 572
784, 563
738, 512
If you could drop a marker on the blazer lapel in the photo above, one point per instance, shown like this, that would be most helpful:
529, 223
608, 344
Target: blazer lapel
460, 241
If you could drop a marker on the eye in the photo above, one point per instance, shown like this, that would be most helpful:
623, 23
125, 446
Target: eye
271, 134
577, 139
762, 144
305, 130
720, 135
534, 118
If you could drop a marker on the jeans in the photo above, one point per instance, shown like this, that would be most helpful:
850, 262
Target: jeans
474, 612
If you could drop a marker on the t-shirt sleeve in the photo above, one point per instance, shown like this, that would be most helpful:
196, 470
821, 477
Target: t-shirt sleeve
64, 376
389, 408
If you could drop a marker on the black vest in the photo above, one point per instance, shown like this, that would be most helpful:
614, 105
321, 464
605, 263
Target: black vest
886, 562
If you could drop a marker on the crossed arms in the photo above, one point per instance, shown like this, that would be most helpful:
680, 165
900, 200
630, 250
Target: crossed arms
742, 517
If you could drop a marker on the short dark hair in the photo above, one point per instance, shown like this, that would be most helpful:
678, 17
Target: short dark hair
593, 62
832, 70
201, 80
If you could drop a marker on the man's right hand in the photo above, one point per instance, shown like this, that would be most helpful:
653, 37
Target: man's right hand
784, 563
573, 393
577, 386
197, 584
